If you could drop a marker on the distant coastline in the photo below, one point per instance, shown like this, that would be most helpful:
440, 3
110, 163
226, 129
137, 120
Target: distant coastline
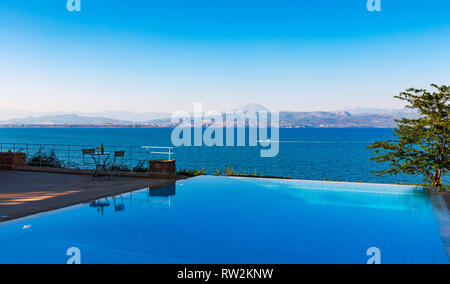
173, 126
82, 126
353, 118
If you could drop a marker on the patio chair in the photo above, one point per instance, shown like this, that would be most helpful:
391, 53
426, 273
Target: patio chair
117, 163
86, 152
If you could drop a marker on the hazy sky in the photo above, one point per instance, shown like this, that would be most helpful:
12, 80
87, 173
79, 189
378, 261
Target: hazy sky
165, 55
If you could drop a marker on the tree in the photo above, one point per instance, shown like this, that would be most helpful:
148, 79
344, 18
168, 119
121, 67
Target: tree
420, 146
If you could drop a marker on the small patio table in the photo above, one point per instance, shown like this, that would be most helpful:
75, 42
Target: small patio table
100, 160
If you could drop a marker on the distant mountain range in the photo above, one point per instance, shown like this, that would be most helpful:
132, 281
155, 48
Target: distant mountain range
7, 115
342, 119
351, 117
65, 119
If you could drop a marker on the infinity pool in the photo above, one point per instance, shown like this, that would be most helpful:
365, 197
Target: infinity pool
236, 220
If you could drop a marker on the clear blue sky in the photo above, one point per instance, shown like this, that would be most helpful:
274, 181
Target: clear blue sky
165, 55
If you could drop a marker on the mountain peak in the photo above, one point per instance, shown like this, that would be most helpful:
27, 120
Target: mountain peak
252, 107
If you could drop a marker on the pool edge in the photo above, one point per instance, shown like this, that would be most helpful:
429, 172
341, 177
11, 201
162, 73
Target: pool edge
442, 216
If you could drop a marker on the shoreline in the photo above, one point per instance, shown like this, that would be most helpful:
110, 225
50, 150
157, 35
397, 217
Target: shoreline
174, 126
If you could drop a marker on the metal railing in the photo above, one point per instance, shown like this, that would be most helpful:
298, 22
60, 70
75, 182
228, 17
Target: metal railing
150, 150
136, 158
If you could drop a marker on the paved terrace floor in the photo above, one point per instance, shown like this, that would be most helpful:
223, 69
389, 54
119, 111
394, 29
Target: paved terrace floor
27, 193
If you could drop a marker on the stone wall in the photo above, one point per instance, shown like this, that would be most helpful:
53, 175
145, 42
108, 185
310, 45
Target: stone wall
163, 166
12, 160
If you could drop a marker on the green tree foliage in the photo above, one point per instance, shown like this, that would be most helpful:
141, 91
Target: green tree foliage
420, 146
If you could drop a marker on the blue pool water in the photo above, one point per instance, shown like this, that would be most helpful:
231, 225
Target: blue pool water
236, 220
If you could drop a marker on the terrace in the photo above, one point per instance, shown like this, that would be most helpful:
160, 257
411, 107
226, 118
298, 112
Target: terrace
27, 193
135, 161
40, 178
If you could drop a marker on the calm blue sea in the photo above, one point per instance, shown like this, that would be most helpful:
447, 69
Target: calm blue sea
312, 154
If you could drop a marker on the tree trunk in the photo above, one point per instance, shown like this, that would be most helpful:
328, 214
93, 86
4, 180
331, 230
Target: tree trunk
437, 181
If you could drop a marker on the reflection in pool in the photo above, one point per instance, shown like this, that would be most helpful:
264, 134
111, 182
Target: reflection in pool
118, 201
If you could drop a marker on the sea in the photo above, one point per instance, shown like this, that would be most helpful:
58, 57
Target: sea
304, 153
